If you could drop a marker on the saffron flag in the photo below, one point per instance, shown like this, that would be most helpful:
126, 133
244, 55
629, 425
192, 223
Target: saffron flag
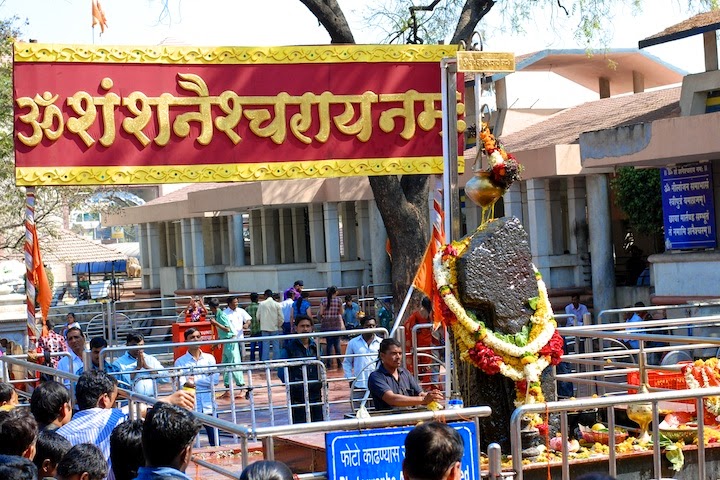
42, 285
98, 16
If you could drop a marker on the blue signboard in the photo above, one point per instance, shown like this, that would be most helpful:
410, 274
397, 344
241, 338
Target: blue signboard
688, 206
378, 454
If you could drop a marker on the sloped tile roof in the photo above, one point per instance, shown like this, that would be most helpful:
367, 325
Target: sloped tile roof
565, 127
68, 247
700, 23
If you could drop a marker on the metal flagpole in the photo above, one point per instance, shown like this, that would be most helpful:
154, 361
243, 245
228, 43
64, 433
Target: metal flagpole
30, 233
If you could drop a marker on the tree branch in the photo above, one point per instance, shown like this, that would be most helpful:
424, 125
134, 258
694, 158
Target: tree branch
472, 12
331, 16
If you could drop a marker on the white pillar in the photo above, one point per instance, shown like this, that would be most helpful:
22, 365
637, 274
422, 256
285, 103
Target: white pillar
154, 260
472, 215
256, 238
197, 270
349, 224
144, 254
317, 235
237, 242
299, 236
187, 249
331, 222
603, 268
539, 225
270, 233
512, 202
286, 235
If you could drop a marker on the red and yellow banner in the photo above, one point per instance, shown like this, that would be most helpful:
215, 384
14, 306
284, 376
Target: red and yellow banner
87, 115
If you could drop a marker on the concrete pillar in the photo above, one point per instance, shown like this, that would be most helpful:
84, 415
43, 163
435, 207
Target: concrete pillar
512, 201
378, 238
237, 242
286, 235
178, 260
638, 82
603, 268
197, 270
577, 221
271, 236
144, 254
711, 51
557, 219
349, 225
169, 241
299, 235
154, 259
317, 234
187, 247
604, 87
472, 215
362, 217
331, 222
256, 238
539, 224
223, 232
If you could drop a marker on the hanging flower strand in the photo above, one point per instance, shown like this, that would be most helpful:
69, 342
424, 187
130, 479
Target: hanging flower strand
503, 166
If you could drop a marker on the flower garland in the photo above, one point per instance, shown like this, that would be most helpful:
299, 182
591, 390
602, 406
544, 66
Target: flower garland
503, 167
712, 404
487, 350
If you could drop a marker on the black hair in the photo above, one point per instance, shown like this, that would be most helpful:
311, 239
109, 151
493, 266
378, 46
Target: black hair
47, 400
387, 343
299, 282
289, 294
91, 386
426, 304
213, 303
71, 314
254, 297
300, 318
168, 430
83, 458
330, 291
67, 334
364, 320
126, 454
6, 392
231, 298
431, 449
266, 470
98, 342
50, 446
133, 338
268, 293
189, 332
348, 298
14, 467
18, 430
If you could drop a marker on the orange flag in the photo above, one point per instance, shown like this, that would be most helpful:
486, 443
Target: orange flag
43, 295
98, 16
424, 280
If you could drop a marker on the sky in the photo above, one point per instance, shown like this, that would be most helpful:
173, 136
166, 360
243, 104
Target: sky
288, 22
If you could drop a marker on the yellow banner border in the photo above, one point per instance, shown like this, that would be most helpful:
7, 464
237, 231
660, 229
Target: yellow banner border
174, 55
241, 172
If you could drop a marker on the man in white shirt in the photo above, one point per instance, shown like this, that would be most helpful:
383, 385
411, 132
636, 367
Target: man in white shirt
287, 309
199, 372
361, 353
239, 318
577, 309
270, 315
134, 365
76, 346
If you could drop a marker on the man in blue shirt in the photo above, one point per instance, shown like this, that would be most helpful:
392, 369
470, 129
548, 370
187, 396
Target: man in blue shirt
137, 367
391, 386
350, 313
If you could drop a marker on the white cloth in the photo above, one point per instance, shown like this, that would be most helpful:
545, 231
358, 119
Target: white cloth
578, 312
287, 309
238, 318
355, 366
205, 374
142, 383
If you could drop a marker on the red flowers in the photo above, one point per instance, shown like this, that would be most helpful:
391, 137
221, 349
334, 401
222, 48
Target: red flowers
485, 358
554, 348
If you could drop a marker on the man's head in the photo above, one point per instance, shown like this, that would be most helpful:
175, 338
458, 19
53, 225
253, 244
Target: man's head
96, 389
193, 335
126, 453
641, 305
82, 462
76, 340
167, 436
266, 470
348, 299
96, 346
390, 353
575, 300
134, 339
18, 432
298, 285
289, 295
432, 452
303, 324
268, 293
214, 304
50, 448
254, 297
8, 395
50, 403
233, 301
13, 467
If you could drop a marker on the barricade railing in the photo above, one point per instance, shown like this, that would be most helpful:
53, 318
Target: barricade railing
29, 365
602, 317
609, 403
432, 357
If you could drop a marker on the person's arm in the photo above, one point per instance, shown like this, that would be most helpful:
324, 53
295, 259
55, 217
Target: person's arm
308, 312
348, 360
219, 325
398, 400
158, 370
